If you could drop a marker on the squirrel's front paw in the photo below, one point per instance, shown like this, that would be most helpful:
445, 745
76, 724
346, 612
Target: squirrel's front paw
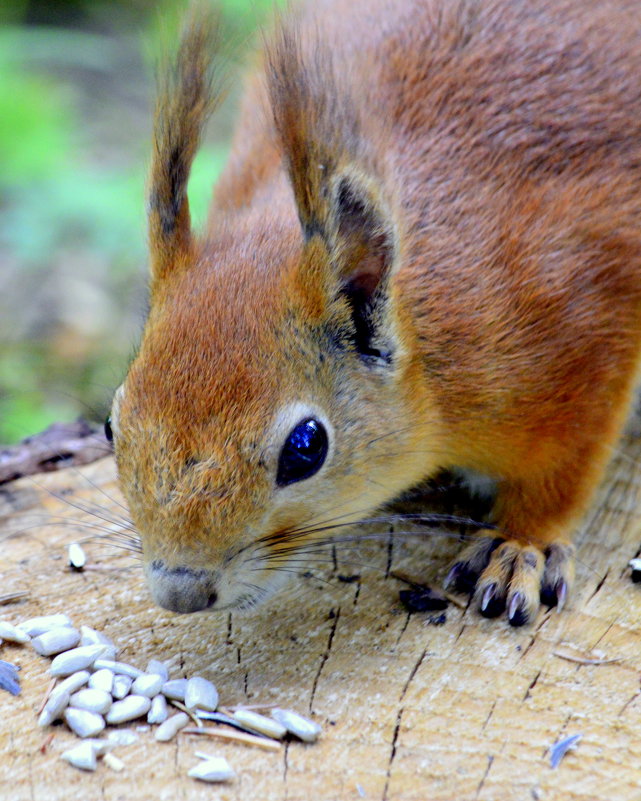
509, 575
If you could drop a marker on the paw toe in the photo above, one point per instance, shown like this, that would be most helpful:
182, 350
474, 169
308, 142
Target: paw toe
472, 561
558, 574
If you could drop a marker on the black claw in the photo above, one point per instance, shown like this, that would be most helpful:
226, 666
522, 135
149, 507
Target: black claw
549, 596
516, 615
492, 604
461, 579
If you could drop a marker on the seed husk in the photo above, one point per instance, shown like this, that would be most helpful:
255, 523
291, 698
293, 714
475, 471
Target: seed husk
77, 557
121, 687
81, 756
9, 678
201, 694
38, 625
148, 684
212, 769
260, 724
158, 712
94, 700
84, 723
76, 659
102, 680
130, 708
12, 633
120, 668
170, 728
303, 728
174, 689
55, 641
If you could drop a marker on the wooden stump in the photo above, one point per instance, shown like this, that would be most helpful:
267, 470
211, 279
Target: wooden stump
410, 710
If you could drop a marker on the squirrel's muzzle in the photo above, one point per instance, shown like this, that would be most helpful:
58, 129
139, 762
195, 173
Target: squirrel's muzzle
181, 589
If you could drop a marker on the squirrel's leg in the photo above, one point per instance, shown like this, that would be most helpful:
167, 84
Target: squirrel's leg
529, 558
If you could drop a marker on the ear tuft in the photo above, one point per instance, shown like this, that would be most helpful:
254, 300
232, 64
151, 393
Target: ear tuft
186, 98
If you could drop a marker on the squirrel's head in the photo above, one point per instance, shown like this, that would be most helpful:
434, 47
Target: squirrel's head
273, 394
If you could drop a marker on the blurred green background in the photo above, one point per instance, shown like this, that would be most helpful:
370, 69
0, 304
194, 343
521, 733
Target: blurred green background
76, 95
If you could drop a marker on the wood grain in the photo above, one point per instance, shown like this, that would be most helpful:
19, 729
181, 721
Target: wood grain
410, 710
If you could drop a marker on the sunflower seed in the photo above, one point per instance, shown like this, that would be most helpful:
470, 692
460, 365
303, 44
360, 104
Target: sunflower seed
73, 682
100, 746
56, 640
175, 689
148, 684
120, 668
130, 708
93, 700
170, 728
12, 633
77, 558
58, 701
89, 636
76, 659
201, 694
157, 669
121, 687
122, 737
158, 712
38, 625
102, 680
81, 756
306, 730
84, 723
213, 769
112, 761
55, 706
260, 724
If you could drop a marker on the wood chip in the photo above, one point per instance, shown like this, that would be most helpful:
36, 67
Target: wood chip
13, 597
239, 737
581, 658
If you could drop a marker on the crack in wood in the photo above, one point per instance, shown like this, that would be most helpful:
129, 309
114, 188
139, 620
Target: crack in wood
490, 760
390, 552
489, 715
531, 687
399, 716
599, 585
325, 656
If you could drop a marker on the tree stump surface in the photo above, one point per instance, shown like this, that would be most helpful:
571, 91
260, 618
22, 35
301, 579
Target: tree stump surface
411, 710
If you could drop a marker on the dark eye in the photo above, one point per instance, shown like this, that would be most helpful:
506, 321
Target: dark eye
303, 453
108, 432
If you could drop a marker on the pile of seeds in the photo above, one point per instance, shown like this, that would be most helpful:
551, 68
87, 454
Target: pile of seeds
92, 690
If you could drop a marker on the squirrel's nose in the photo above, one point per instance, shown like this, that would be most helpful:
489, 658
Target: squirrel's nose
181, 589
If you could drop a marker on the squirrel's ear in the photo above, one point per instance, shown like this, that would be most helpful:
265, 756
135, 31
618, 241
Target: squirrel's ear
186, 98
332, 176
362, 248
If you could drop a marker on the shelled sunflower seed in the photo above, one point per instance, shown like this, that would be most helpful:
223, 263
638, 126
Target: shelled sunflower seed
212, 769
12, 633
95, 691
55, 641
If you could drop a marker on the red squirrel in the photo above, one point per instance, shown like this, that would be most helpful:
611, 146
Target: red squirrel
424, 253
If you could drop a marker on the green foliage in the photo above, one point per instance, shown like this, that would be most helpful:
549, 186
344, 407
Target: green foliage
63, 201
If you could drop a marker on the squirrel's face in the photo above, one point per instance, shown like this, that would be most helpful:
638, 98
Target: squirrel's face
249, 423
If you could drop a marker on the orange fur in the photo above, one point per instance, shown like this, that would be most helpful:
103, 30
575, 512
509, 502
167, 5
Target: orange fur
430, 222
